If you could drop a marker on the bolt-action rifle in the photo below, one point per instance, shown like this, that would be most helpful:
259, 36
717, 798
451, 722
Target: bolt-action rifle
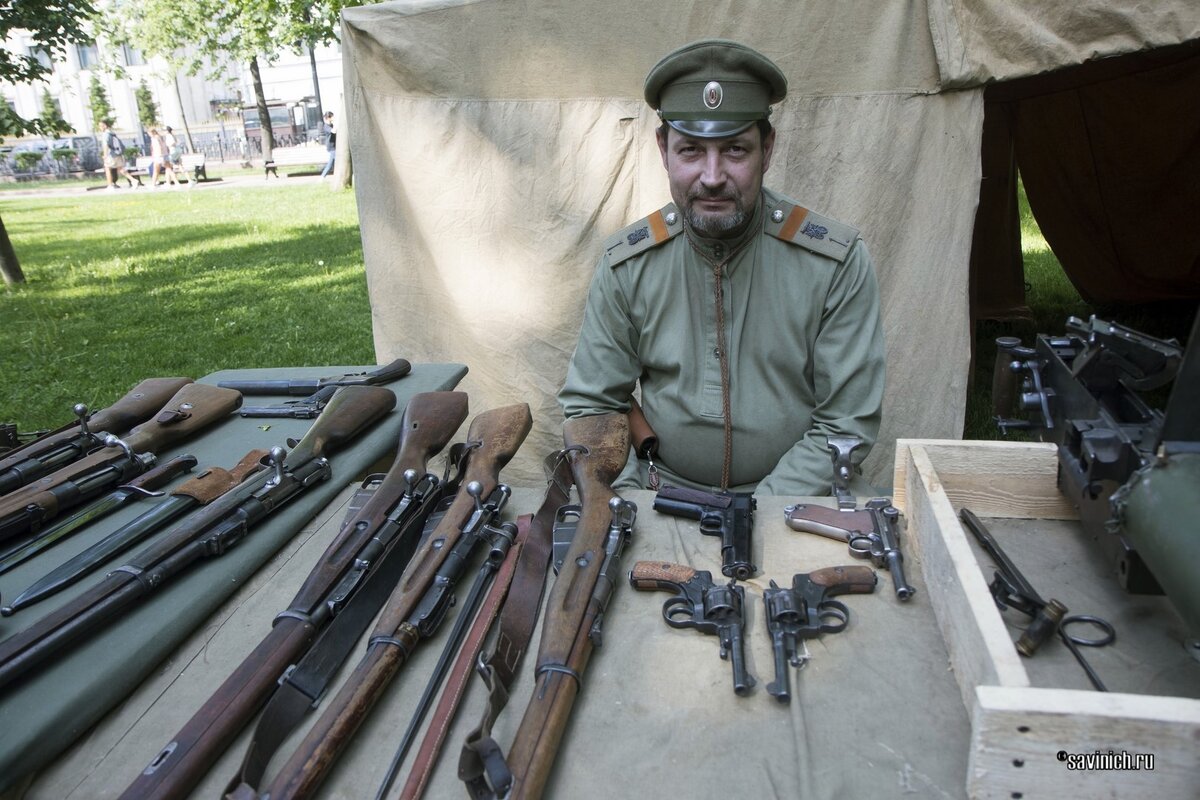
209, 532
418, 603
575, 609
307, 386
75, 439
372, 547
193, 408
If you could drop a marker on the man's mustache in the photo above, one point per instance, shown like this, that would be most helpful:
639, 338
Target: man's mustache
711, 196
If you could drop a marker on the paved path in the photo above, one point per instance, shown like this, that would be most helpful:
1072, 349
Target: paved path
250, 177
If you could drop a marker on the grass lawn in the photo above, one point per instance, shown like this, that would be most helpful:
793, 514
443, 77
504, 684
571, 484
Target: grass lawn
133, 284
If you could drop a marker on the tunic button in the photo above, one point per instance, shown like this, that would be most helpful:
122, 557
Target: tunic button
777, 215
672, 218
719, 250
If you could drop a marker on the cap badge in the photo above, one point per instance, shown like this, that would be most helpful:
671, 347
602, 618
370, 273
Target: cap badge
713, 94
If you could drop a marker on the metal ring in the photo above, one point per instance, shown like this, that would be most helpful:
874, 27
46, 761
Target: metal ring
1110, 633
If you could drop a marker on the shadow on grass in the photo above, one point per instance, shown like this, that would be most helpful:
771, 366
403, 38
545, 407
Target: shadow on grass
220, 306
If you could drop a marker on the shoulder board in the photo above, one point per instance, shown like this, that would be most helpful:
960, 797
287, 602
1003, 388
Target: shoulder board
644, 234
798, 225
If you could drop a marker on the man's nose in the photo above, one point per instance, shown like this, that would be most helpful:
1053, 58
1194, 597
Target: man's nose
713, 173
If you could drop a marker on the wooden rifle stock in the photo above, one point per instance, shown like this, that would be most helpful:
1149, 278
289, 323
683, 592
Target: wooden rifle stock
208, 532
138, 404
499, 433
573, 608
191, 409
429, 421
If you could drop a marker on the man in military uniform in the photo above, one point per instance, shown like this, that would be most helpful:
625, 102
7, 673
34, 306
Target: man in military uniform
752, 323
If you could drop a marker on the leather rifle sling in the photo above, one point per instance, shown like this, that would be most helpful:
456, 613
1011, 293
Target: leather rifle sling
517, 621
456, 683
301, 688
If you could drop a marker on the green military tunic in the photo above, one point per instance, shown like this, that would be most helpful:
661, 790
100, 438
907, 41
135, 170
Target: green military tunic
802, 331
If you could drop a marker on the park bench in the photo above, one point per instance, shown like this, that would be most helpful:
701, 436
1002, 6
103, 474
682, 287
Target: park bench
293, 156
194, 163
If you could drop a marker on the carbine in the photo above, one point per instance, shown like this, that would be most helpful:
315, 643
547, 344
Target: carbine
75, 439
307, 386
575, 608
193, 408
207, 533
388, 521
416, 606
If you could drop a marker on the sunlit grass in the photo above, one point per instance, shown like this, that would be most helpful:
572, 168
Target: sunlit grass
156, 283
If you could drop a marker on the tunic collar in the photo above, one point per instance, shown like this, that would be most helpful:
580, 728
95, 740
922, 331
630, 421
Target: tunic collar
718, 250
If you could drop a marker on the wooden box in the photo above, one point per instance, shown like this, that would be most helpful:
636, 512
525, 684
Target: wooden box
1015, 727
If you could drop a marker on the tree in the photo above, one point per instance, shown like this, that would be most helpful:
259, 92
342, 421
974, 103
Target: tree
247, 31
52, 116
147, 108
98, 102
52, 26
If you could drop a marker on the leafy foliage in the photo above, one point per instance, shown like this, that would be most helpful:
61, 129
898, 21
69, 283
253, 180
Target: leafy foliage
52, 118
52, 24
147, 108
102, 110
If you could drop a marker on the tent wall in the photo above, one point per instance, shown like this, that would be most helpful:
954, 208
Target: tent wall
497, 143
983, 41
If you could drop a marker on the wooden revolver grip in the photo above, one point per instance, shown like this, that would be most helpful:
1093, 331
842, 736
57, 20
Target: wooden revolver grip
659, 576
845, 579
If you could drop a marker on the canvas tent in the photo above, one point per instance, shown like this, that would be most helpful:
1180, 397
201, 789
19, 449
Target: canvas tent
496, 144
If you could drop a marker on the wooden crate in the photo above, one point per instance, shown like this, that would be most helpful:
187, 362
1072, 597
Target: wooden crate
1013, 724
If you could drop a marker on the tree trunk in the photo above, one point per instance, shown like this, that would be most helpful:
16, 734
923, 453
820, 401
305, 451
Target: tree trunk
183, 114
10, 268
264, 114
312, 61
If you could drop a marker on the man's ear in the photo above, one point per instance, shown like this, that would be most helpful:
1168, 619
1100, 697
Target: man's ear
661, 135
768, 147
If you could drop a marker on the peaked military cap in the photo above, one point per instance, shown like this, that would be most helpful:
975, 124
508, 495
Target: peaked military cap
714, 88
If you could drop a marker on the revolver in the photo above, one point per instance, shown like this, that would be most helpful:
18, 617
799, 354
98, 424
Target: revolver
869, 533
730, 516
805, 612
699, 604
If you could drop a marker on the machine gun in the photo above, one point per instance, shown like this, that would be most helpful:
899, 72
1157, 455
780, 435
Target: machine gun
1130, 469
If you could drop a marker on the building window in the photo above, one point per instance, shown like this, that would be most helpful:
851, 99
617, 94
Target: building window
88, 55
133, 58
42, 55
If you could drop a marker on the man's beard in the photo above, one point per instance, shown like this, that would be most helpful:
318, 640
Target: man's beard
718, 226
